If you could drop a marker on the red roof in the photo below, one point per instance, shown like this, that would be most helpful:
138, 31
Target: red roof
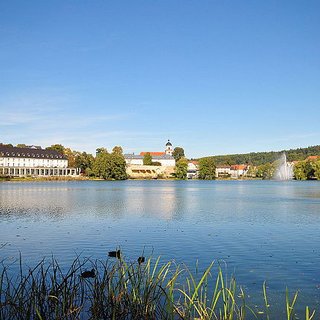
239, 167
313, 158
153, 154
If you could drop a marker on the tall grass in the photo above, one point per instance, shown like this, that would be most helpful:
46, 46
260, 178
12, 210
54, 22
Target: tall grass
121, 290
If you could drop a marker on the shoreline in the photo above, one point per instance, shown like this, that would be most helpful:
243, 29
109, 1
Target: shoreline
83, 178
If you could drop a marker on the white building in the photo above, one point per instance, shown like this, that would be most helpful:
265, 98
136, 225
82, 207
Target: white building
165, 158
239, 170
223, 171
33, 161
193, 170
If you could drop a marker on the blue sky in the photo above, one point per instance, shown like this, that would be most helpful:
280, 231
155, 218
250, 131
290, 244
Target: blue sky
215, 77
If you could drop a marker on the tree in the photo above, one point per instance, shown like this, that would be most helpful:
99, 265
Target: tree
101, 150
117, 150
21, 145
207, 169
84, 161
6, 144
265, 171
101, 163
109, 166
71, 155
309, 169
147, 159
178, 153
58, 147
304, 170
316, 167
118, 167
181, 168
252, 172
299, 171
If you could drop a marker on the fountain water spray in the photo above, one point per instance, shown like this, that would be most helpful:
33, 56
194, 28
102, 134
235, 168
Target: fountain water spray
284, 170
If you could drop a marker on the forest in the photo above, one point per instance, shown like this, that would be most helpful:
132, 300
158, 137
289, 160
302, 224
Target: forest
261, 158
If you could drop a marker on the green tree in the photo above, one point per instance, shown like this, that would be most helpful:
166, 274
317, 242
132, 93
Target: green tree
207, 169
316, 168
101, 150
181, 168
117, 150
309, 169
84, 161
265, 171
109, 166
58, 147
252, 172
21, 145
299, 171
178, 153
71, 155
147, 159
117, 167
101, 163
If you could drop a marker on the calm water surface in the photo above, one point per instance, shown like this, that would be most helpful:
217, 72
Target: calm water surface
261, 230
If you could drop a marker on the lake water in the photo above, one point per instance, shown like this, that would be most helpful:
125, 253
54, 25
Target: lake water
261, 230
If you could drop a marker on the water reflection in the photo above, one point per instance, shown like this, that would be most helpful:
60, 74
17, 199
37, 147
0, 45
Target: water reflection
263, 230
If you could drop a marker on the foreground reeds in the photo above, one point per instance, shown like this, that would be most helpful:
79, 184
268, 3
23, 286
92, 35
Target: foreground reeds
119, 290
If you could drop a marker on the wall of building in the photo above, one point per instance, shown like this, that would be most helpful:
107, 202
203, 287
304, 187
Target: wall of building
33, 162
134, 161
149, 172
164, 162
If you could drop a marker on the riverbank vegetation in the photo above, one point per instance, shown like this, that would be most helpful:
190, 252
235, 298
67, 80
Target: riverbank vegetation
307, 170
110, 166
141, 290
207, 169
181, 168
261, 158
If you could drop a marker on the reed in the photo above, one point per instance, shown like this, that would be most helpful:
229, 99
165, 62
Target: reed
122, 290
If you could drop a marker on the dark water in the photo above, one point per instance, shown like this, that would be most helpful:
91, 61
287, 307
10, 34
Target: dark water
261, 230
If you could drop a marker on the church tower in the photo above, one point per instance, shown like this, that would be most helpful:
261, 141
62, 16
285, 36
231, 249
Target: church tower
169, 148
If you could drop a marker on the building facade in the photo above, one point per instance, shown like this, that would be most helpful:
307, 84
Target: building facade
165, 158
193, 169
235, 171
33, 161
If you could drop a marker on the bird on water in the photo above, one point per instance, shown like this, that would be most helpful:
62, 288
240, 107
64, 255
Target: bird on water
115, 254
88, 274
141, 260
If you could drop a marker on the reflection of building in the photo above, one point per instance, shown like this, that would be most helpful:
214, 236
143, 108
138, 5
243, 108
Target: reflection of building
165, 158
33, 161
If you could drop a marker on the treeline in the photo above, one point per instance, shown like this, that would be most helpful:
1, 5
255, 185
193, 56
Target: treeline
105, 165
262, 158
307, 170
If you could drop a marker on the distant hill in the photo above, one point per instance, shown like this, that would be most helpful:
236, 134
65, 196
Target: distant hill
258, 158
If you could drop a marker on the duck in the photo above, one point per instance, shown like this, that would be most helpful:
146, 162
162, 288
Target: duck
115, 254
88, 274
141, 260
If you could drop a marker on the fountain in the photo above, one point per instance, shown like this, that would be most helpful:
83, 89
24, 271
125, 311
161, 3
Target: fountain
284, 170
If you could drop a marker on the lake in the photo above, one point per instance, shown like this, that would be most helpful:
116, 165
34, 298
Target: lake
258, 230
